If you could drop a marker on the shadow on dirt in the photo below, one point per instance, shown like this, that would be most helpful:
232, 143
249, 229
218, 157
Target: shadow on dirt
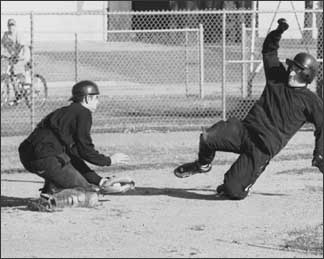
269, 194
21, 181
190, 193
7, 201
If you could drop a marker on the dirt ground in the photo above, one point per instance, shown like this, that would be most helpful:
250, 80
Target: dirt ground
166, 216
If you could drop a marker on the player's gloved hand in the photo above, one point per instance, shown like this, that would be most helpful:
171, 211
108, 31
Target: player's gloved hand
282, 25
318, 162
115, 185
119, 158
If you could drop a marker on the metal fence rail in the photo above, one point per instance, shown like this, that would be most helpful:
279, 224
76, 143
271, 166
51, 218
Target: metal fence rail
156, 70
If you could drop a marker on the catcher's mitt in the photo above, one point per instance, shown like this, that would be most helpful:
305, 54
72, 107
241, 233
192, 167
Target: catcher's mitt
116, 185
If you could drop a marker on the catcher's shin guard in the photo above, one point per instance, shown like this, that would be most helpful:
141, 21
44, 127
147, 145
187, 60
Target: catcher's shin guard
77, 197
190, 169
66, 198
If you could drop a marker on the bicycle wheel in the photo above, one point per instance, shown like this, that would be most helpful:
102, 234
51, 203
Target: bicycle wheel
5, 89
40, 92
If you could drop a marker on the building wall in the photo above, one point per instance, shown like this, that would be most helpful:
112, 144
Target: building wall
93, 27
56, 26
119, 6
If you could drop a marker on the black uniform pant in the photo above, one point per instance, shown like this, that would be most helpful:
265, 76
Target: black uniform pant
61, 170
232, 136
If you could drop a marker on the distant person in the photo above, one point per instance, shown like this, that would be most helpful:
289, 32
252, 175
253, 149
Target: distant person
13, 46
284, 106
61, 143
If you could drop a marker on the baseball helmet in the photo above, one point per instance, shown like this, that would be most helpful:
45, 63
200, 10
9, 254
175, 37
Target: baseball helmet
84, 88
307, 63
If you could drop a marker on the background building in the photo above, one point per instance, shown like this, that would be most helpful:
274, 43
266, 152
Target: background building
94, 26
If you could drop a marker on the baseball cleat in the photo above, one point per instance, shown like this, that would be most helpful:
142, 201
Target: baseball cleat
220, 189
220, 192
190, 169
44, 204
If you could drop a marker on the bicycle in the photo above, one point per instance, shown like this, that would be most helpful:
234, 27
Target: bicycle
14, 87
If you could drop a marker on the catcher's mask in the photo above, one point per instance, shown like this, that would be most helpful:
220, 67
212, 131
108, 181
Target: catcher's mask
307, 64
84, 88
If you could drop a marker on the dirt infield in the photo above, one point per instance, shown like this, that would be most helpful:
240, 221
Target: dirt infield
166, 216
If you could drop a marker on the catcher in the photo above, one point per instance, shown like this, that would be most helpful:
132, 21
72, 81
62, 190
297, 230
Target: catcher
59, 146
284, 106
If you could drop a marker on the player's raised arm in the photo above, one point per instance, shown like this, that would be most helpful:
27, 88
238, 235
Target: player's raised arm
273, 68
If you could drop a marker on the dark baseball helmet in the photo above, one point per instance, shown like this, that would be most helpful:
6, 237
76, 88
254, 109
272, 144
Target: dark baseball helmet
84, 88
307, 63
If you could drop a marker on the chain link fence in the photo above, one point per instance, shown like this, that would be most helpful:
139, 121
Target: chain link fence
174, 70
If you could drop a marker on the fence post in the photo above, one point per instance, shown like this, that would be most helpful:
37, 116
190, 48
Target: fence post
224, 66
32, 70
201, 58
76, 57
253, 27
104, 20
186, 62
244, 72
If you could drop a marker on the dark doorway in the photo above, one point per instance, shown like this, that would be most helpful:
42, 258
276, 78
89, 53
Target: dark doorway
151, 21
150, 5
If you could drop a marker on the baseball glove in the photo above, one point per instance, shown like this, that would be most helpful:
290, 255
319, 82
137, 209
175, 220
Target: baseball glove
116, 185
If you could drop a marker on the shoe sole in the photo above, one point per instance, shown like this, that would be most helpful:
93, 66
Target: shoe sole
182, 175
187, 174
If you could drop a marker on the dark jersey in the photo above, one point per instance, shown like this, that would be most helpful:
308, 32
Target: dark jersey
282, 110
67, 129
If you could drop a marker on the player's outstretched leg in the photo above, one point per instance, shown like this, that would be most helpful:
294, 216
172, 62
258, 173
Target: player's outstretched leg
189, 169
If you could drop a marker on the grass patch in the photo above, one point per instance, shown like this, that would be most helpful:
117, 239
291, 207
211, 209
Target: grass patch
309, 240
